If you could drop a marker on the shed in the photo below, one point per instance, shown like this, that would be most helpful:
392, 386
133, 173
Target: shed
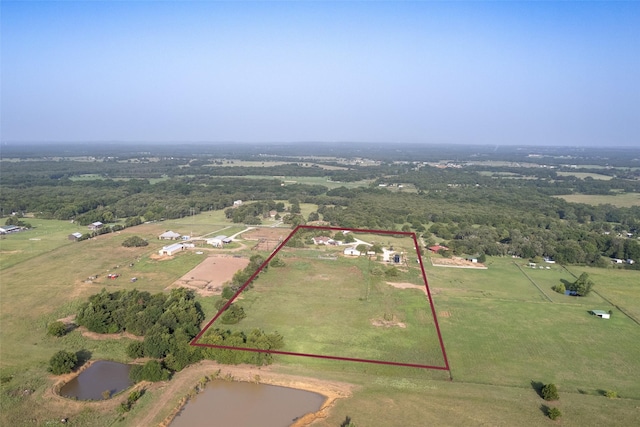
169, 235
74, 236
96, 225
600, 313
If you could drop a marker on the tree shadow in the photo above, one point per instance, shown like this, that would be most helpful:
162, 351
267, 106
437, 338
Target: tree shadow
346, 422
566, 283
545, 410
601, 392
537, 387
83, 357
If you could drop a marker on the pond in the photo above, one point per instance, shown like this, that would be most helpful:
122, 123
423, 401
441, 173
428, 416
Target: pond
239, 404
96, 379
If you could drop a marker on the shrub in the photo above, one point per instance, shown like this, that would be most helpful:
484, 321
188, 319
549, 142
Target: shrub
57, 329
559, 288
135, 350
134, 242
611, 394
150, 371
550, 392
62, 362
277, 262
554, 413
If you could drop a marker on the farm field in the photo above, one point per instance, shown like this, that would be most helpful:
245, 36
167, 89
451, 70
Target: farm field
624, 200
583, 175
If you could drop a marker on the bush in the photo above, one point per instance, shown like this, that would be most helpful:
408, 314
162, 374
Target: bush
135, 350
150, 371
134, 242
62, 362
611, 394
550, 392
559, 288
554, 413
277, 262
57, 329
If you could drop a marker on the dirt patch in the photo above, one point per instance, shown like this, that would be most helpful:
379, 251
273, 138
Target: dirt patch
407, 286
456, 262
388, 323
444, 314
208, 277
267, 233
101, 337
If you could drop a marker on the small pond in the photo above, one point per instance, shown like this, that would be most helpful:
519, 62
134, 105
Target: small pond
240, 404
100, 376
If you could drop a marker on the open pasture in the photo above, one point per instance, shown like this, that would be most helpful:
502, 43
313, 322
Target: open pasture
622, 200
583, 175
46, 235
339, 308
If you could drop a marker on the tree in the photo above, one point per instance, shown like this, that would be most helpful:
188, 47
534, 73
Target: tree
583, 285
550, 392
62, 362
554, 413
57, 329
134, 242
150, 371
559, 288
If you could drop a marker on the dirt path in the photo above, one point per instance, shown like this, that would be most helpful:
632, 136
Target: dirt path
185, 380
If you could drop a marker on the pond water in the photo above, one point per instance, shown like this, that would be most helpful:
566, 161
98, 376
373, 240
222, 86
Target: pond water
240, 404
100, 376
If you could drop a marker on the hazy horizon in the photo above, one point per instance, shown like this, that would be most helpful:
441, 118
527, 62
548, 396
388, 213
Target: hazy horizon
466, 73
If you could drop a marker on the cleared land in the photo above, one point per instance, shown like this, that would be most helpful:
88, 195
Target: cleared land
624, 200
208, 277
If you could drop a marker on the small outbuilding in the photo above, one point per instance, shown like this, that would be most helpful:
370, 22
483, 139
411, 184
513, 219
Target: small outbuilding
600, 313
74, 236
95, 226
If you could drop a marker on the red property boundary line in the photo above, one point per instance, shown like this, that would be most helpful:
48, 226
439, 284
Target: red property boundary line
446, 366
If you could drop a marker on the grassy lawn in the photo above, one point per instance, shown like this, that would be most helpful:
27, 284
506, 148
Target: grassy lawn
623, 200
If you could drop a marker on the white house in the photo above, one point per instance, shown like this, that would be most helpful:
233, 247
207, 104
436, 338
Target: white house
351, 252
171, 249
237, 203
95, 226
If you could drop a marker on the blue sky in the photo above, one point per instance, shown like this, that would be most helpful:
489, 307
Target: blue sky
534, 73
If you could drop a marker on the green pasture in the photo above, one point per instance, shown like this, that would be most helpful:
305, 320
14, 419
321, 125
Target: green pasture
622, 200
327, 307
45, 236
620, 287
583, 175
